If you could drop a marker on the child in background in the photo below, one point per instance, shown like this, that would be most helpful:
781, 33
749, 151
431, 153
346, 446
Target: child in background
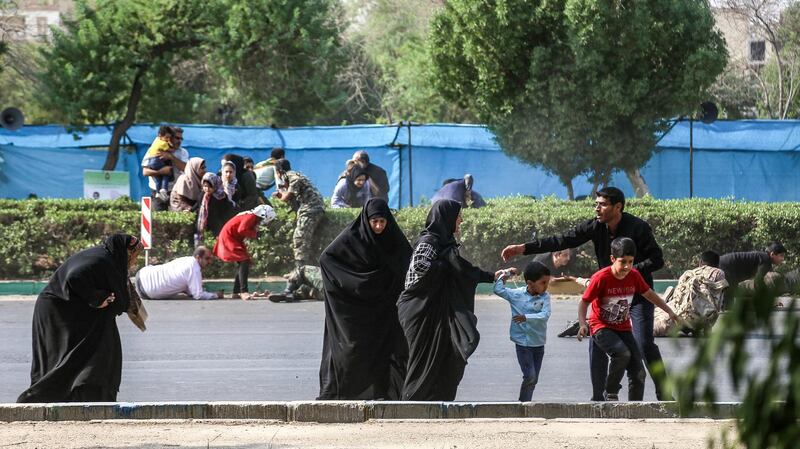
160, 146
610, 293
229, 182
530, 310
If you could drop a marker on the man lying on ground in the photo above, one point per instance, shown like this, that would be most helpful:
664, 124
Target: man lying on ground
180, 276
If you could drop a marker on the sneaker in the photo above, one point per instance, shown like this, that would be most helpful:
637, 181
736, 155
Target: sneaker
572, 329
611, 397
163, 195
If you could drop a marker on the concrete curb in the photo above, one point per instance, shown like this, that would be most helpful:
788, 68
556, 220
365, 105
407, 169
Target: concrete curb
356, 411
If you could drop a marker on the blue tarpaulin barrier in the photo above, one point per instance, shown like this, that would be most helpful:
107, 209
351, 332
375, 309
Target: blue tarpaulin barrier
753, 160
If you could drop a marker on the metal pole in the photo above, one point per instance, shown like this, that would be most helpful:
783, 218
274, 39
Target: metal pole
146, 257
410, 167
691, 157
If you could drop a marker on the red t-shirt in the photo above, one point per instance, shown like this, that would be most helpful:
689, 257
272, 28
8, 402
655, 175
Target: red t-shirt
611, 299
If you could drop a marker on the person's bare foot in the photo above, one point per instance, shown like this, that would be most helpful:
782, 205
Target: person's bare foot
263, 294
236, 296
246, 296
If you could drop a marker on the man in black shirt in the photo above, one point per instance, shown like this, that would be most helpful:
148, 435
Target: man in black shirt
558, 262
741, 266
609, 223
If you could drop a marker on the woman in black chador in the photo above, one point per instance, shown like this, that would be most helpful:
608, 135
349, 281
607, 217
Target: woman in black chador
437, 307
77, 355
364, 351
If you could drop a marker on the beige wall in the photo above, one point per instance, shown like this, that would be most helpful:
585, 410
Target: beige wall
738, 35
32, 19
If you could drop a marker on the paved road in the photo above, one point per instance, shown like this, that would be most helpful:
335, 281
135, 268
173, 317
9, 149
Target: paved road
236, 350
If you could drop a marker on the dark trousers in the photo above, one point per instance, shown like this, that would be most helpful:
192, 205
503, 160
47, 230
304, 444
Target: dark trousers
530, 362
623, 352
642, 312
240, 280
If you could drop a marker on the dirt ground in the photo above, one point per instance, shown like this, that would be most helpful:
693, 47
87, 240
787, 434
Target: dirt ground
444, 434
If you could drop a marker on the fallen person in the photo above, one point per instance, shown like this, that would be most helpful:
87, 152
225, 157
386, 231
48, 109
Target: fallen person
304, 283
697, 299
182, 276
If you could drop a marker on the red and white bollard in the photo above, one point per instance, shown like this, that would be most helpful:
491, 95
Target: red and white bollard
147, 227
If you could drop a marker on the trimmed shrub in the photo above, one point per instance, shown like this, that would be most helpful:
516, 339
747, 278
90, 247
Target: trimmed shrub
36, 236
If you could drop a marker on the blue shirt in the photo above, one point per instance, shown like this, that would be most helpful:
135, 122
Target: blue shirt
533, 331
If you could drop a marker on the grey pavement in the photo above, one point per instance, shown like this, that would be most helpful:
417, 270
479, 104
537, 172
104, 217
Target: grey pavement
232, 350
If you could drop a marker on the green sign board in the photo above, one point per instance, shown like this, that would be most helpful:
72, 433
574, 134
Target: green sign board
106, 185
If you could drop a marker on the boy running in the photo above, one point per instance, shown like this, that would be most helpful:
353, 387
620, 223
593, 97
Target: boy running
530, 310
610, 293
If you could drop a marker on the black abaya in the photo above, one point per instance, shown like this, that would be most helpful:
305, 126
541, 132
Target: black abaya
436, 309
364, 351
76, 346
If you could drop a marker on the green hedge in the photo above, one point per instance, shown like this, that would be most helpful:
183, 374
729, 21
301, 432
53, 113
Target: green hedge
37, 235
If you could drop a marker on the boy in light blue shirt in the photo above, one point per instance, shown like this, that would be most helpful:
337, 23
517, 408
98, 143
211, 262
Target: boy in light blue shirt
530, 310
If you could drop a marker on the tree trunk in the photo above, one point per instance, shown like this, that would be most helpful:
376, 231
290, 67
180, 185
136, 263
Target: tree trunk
122, 127
570, 189
638, 183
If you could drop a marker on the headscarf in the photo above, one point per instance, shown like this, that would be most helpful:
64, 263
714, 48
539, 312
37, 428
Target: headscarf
441, 224
352, 189
117, 246
230, 187
216, 184
358, 249
218, 193
238, 163
265, 213
189, 184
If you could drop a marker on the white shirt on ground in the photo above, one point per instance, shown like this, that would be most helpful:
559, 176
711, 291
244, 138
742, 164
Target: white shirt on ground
181, 275
181, 154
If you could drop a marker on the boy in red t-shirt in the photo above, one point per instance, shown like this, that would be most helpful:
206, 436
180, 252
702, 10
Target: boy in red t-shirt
610, 293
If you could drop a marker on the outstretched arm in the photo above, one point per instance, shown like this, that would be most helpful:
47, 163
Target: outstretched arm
572, 239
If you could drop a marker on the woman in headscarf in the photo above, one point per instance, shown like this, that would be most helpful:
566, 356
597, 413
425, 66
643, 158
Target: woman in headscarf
188, 189
247, 194
364, 350
436, 309
230, 246
352, 189
228, 178
77, 354
215, 207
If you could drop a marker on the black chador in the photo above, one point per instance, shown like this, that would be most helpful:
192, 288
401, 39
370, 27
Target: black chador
364, 352
77, 355
436, 309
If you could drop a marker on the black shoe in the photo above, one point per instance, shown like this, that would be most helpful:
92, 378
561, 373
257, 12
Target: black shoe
277, 297
571, 330
468, 181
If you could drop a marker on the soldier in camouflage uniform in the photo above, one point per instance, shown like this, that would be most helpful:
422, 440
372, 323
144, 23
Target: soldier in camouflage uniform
302, 197
697, 298
309, 280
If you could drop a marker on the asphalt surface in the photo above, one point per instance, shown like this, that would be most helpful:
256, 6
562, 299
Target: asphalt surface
259, 351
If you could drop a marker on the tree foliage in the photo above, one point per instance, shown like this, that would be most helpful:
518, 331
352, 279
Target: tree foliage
282, 59
577, 86
185, 60
389, 72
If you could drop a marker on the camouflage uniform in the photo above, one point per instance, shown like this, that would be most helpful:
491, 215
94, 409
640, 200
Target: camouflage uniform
697, 299
310, 207
309, 280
